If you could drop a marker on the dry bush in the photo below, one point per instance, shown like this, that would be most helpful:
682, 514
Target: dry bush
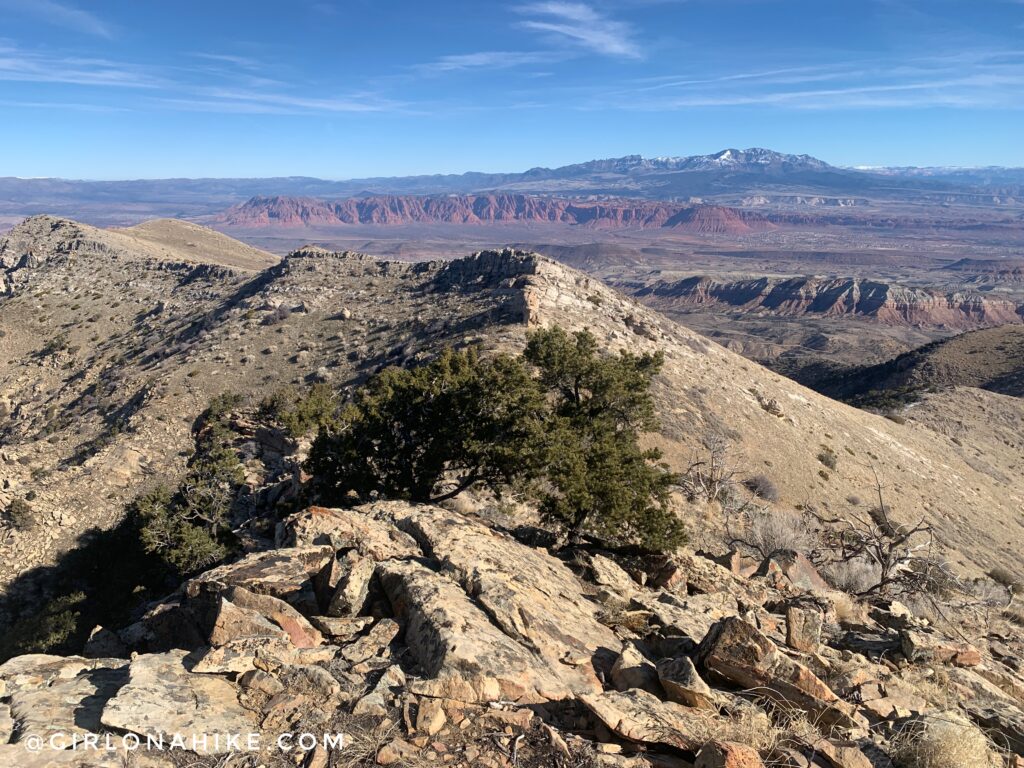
855, 576
763, 487
900, 553
1007, 578
712, 476
1015, 615
945, 740
771, 532
934, 686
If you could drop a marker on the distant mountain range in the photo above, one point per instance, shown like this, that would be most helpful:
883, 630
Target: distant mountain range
736, 177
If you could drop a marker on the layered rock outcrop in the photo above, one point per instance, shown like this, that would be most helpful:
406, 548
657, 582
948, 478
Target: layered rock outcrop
476, 649
263, 212
835, 297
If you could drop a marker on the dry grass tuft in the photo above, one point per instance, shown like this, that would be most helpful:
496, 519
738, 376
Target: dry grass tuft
946, 740
849, 611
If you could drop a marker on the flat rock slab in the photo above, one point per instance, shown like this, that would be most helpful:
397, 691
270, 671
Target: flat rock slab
282, 573
461, 653
163, 698
53, 695
641, 717
18, 756
531, 596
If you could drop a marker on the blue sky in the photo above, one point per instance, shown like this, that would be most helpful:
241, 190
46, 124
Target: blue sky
348, 88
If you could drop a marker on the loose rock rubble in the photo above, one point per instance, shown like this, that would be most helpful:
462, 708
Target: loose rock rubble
457, 644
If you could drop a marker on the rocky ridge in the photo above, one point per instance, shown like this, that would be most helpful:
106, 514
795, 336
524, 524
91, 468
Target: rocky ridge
466, 646
834, 297
100, 396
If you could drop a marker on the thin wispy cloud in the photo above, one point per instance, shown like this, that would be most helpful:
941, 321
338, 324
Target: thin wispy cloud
61, 105
491, 60
582, 25
244, 62
260, 101
60, 15
177, 87
20, 65
970, 79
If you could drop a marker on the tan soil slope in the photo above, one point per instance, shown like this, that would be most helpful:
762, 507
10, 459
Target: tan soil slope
108, 356
971, 497
161, 239
190, 242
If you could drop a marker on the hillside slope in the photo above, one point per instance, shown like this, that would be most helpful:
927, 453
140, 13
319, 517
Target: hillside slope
990, 358
109, 357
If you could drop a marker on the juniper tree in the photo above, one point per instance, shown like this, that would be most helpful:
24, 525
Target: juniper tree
428, 433
598, 479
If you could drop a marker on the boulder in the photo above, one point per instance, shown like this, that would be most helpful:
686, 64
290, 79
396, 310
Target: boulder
367, 529
684, 572
682, 683
641, 717
378, 701
928, 648
841, 754
803, 628
162, 698
300, 632
606, 573
727, 754
737, 652
633, 670
532, 597
690, 616
799, 572
340, 627
237, 656
286, 574
353, 587
462, 654
373, 643
234, 623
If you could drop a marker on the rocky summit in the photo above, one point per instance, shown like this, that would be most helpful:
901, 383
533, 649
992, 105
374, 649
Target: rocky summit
466, 632
468, 646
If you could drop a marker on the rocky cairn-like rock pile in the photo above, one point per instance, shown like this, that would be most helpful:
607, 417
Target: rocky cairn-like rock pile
428, 637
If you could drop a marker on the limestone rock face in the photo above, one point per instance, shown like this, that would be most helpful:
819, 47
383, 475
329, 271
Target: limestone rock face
53, 695
463, 655
162, 697
532, 596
